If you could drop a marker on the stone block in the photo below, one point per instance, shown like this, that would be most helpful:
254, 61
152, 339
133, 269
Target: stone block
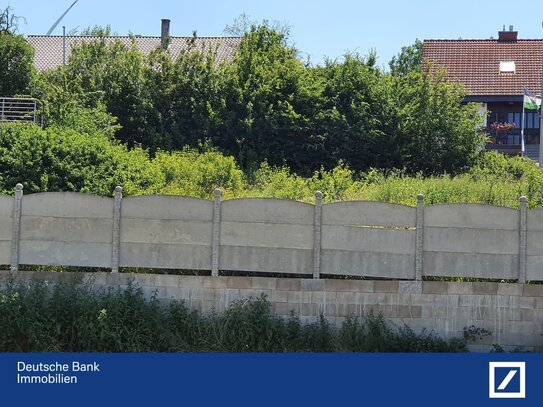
532, 290
406, 311
510, 289
295, 297
330, 310
208, 294
278, 296
346, 297
523, 302
97, 279
283, 308
193, 281
309, 284
214, 282
116, 279
365, 286
520, 327
434, 287
384, 286
423, 299
484, 288
513, 340
227, 295
172, 292
268, 283
312, 310
410, 287
460, 288
252, 293
527, 315
339, 285
538, 303
289, 284
239, 282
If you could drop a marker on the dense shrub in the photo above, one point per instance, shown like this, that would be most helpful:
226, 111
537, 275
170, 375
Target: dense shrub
77, 317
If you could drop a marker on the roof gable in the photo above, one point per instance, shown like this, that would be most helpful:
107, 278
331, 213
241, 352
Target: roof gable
476, 64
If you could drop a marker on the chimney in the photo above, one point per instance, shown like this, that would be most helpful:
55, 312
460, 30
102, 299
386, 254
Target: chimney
507, 36
165, 33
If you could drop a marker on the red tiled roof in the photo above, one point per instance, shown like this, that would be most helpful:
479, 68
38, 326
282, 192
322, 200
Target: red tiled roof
49, 49
476, 64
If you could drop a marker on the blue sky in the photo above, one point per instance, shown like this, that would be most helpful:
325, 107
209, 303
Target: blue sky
318, 28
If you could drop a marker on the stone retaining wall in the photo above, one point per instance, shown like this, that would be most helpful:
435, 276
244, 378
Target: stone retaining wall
512, 312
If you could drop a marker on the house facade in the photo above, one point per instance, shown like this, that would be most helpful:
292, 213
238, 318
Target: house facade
495, 73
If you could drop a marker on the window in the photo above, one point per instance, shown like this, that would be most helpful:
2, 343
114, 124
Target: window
507, 67
514, 118
531, 120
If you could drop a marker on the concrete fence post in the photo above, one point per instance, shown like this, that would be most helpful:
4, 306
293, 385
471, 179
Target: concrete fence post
523, 239
419, 237
317, 235
216, 234
16, 227
116, 241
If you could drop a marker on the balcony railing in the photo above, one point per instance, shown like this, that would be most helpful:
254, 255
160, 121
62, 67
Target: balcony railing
512, 137
18, 110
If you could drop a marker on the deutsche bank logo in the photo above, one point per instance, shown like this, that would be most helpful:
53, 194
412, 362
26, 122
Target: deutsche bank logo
507, 380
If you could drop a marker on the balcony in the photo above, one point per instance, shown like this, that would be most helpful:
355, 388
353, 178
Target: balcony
18, 110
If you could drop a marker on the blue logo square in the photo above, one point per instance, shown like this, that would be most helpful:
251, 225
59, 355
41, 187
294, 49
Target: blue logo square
510, 382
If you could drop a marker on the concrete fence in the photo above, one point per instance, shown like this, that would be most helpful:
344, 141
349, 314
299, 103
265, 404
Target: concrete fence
370, 239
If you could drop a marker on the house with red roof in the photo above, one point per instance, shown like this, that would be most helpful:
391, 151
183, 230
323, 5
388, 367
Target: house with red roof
52, 51
495, 73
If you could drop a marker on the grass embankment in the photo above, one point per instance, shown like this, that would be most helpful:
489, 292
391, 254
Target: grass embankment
75, 317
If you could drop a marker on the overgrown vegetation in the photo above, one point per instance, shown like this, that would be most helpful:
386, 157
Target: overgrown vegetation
262, 105
57, 159
34, 317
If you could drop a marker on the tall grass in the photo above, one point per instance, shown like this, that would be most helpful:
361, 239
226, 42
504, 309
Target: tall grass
75, 317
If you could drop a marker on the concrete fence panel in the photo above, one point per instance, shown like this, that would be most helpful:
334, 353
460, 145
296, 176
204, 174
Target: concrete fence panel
471, 240
6, 210
534, 252
166, 232
66, 229
272, 235
371, 239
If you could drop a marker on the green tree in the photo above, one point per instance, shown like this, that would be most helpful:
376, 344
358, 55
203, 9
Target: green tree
266, 102
16, 57
66, 105
112, 75
16, 64
355, 116
409, 59
436, 132
184, 96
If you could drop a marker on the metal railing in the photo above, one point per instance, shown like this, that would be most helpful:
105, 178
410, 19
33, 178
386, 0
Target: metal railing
18, 110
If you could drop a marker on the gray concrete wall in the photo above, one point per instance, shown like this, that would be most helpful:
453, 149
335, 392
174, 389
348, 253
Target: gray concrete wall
372, 239
468, 240
166, 232
513, 313
6, 225
368, 239
259, 234
65, 228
